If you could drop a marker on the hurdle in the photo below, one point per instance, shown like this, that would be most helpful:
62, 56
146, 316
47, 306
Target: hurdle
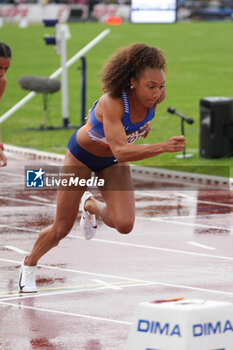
69, 63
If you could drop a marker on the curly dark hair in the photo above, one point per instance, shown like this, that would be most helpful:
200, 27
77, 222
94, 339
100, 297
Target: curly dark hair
5, 50
129, 62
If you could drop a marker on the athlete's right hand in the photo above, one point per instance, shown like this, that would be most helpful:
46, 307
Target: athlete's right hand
3, 161
174, 144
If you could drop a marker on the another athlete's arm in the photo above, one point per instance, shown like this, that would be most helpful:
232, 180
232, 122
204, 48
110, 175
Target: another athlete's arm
3, 160
2, 86
112, 111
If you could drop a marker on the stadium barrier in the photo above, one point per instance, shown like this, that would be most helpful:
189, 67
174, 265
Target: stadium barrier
189, 179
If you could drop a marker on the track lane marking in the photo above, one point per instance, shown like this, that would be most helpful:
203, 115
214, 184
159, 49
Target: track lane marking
172, 285
106, 284
184, 197
136, 245
26, 201
196, 216
55, 291
80, 272
15, 249
204, 246
11, 174
57, 312
19, 228
41, 199
133, 245
76, 287
184, 223
11, 184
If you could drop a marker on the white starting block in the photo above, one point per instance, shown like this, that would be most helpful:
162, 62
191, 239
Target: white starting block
182, 324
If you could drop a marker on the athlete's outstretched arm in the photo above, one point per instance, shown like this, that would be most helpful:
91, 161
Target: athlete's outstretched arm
116, 137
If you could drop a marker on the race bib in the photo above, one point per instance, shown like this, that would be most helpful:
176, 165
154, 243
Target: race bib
133, 136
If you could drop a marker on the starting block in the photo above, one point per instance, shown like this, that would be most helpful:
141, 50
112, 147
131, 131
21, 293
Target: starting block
182, 324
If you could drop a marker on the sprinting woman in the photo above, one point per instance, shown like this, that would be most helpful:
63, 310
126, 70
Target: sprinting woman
133, 85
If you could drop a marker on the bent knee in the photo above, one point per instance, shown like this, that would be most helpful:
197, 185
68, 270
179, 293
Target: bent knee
125, 227
59, 233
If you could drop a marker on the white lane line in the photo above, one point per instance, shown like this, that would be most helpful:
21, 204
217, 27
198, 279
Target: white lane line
180, 286
208, 202
19, 228
54, 292
11, 184
201, 245
79, 271
106, 284
184, 223
172, 285
15, 249
11, 174
188, 196
26, 201
57, 312
176, 251
150, 194
41, 199
138, 217
20, 296
133, 245
60, 165
198, 217
183, 197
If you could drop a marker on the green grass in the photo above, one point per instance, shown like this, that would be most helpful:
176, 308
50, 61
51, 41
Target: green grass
199, 56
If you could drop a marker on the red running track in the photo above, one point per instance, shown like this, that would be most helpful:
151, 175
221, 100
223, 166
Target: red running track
181, 246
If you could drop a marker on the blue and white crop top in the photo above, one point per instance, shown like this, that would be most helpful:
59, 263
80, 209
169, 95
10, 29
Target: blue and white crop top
133, 131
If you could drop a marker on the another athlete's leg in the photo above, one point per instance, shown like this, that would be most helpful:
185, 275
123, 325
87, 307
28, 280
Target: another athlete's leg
118, 211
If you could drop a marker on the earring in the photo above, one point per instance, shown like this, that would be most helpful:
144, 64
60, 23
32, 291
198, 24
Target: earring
131, 86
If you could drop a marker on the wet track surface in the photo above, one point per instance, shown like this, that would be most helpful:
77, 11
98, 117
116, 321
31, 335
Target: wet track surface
181, 246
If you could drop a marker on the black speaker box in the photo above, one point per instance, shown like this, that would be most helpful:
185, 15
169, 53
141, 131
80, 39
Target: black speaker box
75, 15
216, 127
